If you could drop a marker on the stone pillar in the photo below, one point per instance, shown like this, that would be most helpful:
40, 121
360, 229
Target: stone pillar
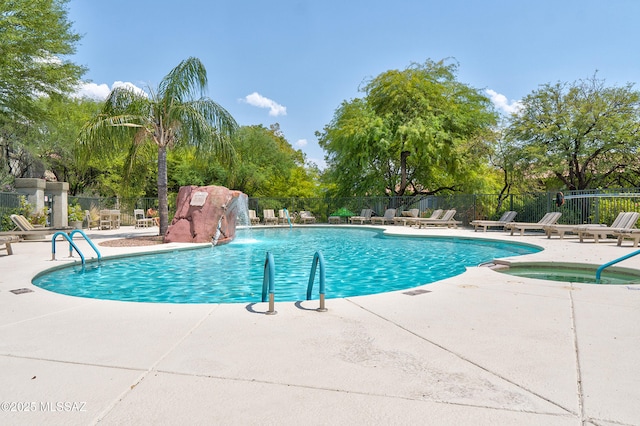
33, 189
60, 213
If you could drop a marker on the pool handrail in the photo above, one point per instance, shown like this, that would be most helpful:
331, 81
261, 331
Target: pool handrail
87, 239
268, 282
71, 245
286, 213
318, 259
613, 262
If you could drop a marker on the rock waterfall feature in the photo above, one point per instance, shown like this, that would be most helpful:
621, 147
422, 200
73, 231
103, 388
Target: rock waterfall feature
205, 214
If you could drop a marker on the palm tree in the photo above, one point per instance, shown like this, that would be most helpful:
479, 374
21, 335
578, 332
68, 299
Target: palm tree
167, 117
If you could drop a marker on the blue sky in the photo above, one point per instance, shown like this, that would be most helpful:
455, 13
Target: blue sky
293, 62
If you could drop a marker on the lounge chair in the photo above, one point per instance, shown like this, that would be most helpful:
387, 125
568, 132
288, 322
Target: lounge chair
629, 234
407, 215
307, 217
562, 229
446, 220
283, 216
596, 232
365, 216
436, 214
548, 219
5, 243
269, 217
389, 216
24, 228
141, 220
253, 217
507, 217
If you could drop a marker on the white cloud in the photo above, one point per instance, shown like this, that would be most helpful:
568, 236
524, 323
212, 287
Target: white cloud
301, 143
502, 103
129, 86
100, 92
257, 100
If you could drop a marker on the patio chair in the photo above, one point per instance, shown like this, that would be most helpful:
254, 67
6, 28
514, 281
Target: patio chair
365, 216
269, 217
507, 217
307, 217
91, 223
548, 219
389, 216
141, 220
597, 232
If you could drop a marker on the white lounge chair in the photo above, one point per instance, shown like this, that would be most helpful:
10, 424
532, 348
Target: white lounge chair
628, 234
365, 216
24, 228
436, 214
5, 243
253, 217
562, 229
507, 217
307, 217
446, 220
548, 219
269, 217
283, 216
407, 216
389, 216
597, 232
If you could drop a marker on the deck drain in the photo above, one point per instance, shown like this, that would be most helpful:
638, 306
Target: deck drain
21, 291
416, 292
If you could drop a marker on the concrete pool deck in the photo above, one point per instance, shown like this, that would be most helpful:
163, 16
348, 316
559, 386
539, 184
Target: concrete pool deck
480, 348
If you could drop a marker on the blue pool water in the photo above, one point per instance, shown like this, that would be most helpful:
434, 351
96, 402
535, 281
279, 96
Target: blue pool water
357, 262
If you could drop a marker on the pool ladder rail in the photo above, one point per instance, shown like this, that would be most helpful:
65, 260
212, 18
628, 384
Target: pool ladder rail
72, 245
268, 281
318, 260
613, 262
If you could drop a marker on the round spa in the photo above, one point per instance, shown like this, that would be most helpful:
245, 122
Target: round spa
571, 272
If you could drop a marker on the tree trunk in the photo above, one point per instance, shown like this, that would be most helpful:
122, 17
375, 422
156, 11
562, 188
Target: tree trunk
403, 171
163, 202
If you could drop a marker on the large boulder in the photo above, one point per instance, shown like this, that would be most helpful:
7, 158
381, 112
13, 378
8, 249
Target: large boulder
203, 210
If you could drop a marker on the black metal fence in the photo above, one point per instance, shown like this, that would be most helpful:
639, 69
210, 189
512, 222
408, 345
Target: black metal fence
592, 206
579, 207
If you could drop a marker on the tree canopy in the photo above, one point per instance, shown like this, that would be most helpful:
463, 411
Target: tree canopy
579, 135
266, 165
35, 35
416, 131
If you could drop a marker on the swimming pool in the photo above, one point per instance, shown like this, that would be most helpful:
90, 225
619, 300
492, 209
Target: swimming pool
357, 262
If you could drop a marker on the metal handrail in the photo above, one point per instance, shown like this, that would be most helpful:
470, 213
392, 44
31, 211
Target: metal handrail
286, 213
318, 258
613, 262
268, 282
86, 238
71, 245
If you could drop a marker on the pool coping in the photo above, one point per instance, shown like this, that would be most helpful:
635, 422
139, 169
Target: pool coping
500, 350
